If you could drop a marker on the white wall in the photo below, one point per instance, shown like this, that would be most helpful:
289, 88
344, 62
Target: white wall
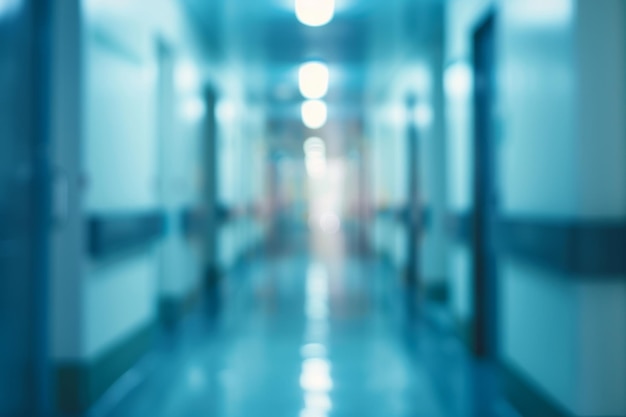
106, 149
461, 16
561, 152
120, 164
241, 168
414, 75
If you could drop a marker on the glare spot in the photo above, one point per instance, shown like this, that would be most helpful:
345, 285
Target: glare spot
315, 12
314, 113
316, 309
318, 401
312, 413
313, 350
313, 80
316, 375
8, 7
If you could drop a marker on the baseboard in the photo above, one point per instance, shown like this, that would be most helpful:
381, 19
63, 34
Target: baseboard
526, 396
79, 384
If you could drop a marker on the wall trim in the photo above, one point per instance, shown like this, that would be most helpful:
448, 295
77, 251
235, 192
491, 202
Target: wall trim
579, 248
583, 248
529, 399
110, 234
79, 384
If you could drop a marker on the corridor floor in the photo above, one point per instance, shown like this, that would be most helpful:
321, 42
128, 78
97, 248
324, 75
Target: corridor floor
299, 337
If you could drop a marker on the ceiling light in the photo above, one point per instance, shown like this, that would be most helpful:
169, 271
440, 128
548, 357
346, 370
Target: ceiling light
315, 12
314, 113
313, 80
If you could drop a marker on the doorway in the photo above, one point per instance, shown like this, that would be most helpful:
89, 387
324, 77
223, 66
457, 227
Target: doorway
23, 211
484, 324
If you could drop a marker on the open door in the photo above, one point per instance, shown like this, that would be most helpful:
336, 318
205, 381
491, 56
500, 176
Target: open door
484, 191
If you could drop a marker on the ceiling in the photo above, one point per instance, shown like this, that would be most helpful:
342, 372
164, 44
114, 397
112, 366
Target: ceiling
267, 43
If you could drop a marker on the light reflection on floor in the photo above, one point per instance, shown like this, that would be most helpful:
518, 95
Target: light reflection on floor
302, 337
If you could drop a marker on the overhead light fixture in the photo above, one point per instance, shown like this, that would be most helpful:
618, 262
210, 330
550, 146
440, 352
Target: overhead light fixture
315, 12
314, 113
313, 80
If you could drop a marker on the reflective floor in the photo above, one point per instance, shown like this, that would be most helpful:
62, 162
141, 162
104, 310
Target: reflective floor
295, 336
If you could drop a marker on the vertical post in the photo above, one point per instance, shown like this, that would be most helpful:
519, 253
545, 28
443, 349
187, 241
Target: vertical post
210, 191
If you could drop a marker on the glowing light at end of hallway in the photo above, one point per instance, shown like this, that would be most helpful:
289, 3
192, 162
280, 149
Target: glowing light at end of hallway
315, 12
313, 350
330, 223
314, 113
313, 80
458, 80
315, 157
313, 145
318, 401
423, 115
307, 412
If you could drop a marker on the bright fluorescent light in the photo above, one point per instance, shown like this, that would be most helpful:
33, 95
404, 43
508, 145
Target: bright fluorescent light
314, 113
313, 80
315, 12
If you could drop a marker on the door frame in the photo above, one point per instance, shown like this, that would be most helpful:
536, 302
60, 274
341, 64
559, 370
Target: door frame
484, 267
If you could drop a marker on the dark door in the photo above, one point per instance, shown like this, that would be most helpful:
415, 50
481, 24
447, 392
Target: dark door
210, 189
22, 261
484, 291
